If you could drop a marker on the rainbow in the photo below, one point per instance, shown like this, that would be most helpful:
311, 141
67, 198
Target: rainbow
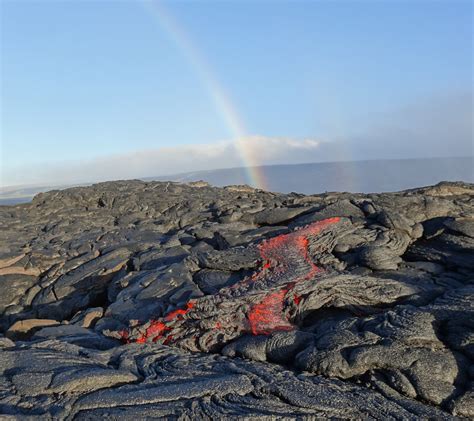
221, 99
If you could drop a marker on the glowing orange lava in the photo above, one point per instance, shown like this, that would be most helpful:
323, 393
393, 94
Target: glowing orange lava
266, 317
285, 262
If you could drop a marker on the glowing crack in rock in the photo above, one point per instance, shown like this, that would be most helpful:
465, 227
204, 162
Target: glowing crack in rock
255, 305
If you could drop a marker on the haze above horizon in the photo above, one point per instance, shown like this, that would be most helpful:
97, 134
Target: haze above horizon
101, 90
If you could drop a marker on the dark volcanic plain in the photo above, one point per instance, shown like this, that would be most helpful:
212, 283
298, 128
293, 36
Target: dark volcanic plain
166, 300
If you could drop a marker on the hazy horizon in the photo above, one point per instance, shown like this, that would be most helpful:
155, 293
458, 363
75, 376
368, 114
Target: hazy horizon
365, 176
175, 176
95, 91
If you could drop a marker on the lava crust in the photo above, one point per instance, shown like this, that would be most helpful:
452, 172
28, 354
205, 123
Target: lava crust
168, 300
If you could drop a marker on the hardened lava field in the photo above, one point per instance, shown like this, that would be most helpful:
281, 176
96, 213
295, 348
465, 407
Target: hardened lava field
168, 300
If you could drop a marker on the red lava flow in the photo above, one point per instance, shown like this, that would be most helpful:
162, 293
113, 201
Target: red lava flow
267, 316
282, 255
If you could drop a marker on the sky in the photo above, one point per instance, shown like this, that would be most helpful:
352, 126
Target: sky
98, 90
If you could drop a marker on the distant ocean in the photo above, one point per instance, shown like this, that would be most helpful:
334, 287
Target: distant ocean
356, 176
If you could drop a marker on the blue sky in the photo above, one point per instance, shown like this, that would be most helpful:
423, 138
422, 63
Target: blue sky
85, 80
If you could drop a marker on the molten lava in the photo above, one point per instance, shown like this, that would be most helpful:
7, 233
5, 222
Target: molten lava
285, 262
266, 317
